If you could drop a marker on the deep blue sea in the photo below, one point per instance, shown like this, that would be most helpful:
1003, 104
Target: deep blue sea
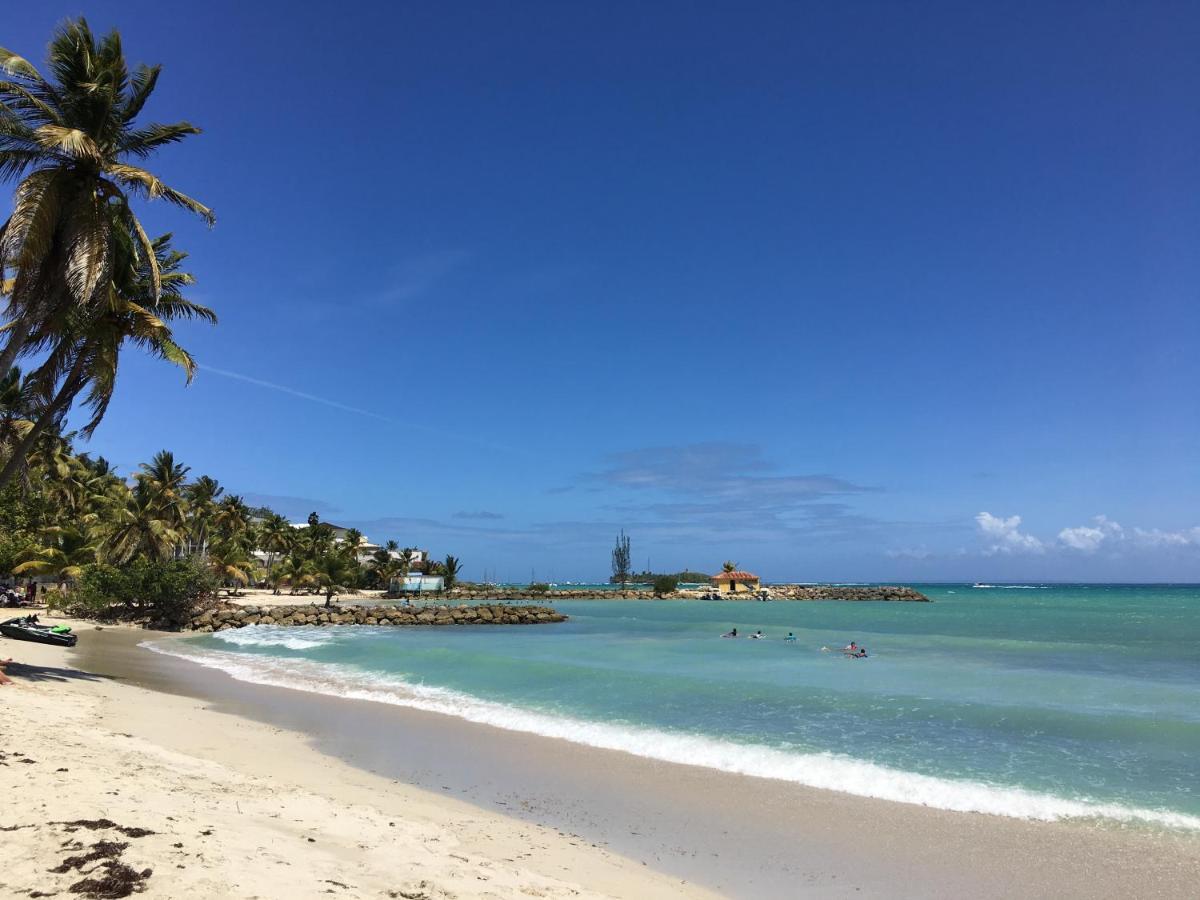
1038, 701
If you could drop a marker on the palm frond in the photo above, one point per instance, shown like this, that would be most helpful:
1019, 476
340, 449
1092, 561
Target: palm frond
144, 141
140, 88
73, 142
148, 185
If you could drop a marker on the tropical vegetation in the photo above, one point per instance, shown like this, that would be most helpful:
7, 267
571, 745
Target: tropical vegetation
82, 281
102, 539
81, 276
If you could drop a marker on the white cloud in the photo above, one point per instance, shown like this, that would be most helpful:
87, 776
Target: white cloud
1089, 538
1154, 537
1004, 535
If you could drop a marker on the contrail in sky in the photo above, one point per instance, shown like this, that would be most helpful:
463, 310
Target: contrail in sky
295, 393
358, 410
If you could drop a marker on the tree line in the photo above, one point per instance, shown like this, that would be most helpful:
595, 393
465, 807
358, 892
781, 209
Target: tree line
82, 281
71, 518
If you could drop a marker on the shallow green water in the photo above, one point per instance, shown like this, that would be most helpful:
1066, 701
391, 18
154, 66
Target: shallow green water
1043, 702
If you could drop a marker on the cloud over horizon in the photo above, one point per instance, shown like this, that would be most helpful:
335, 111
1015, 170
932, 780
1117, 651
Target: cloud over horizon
1003, 535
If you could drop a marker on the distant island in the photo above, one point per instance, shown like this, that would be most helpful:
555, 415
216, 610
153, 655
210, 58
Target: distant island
651, 577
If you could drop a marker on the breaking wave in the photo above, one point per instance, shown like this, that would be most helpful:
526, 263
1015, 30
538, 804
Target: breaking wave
828, 771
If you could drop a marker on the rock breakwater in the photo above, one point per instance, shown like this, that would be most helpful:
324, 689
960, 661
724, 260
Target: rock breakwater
776, 592
845, 592
223, 616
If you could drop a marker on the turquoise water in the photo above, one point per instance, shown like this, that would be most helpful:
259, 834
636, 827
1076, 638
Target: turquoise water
1040, 702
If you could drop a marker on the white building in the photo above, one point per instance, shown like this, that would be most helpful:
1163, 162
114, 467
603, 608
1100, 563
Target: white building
366, 549
418, 584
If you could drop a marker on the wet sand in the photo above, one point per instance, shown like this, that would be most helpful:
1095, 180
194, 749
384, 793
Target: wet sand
741, 836
121, 790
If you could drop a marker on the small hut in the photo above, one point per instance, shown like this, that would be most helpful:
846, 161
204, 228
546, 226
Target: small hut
736, 582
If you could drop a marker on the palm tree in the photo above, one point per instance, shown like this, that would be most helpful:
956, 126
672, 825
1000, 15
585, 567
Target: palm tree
295, 572
162, 480
728, 566
231, 564
73, 145
16, 409
450, 569
137, 311
383, 568
233, 518
334, 573
66, 552
143, 295
276, 536
201, 496
138, 529
351, 541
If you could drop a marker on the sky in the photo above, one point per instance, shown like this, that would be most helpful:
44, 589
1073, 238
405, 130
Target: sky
841, 291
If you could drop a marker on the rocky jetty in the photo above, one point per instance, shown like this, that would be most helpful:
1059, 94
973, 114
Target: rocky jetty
847, 592
223, 616
777, 592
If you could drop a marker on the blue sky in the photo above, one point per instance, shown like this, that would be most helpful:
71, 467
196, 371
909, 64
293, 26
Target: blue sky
842, 291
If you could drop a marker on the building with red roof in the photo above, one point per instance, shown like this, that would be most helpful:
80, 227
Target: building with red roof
736, 582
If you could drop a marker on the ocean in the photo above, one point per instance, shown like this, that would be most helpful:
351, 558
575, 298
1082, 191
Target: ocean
1035, 701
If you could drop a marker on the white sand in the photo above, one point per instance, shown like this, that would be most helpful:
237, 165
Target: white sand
241, 809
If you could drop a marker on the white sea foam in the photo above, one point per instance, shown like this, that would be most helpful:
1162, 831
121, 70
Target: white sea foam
266, 636
828, 771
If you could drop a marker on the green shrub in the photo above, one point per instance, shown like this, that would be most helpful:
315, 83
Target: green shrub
167, 593
665, 584
538, 587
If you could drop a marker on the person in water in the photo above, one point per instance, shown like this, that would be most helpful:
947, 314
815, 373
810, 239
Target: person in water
757, 636
850, 648
790, 639
730, 633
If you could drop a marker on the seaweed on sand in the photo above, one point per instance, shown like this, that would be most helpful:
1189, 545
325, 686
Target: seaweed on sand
118, 881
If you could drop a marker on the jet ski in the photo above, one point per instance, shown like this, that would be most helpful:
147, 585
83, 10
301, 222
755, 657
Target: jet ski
28, 629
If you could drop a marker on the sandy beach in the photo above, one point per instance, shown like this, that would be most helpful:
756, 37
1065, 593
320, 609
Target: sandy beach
255, 791
239, 809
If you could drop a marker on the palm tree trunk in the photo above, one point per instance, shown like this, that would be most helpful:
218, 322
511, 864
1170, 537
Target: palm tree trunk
70, 387
16, 341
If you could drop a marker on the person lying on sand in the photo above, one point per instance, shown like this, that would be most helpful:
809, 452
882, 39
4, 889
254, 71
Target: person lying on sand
4, 679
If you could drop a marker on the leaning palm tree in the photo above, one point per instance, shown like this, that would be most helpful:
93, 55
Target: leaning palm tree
72, 144
84, 349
